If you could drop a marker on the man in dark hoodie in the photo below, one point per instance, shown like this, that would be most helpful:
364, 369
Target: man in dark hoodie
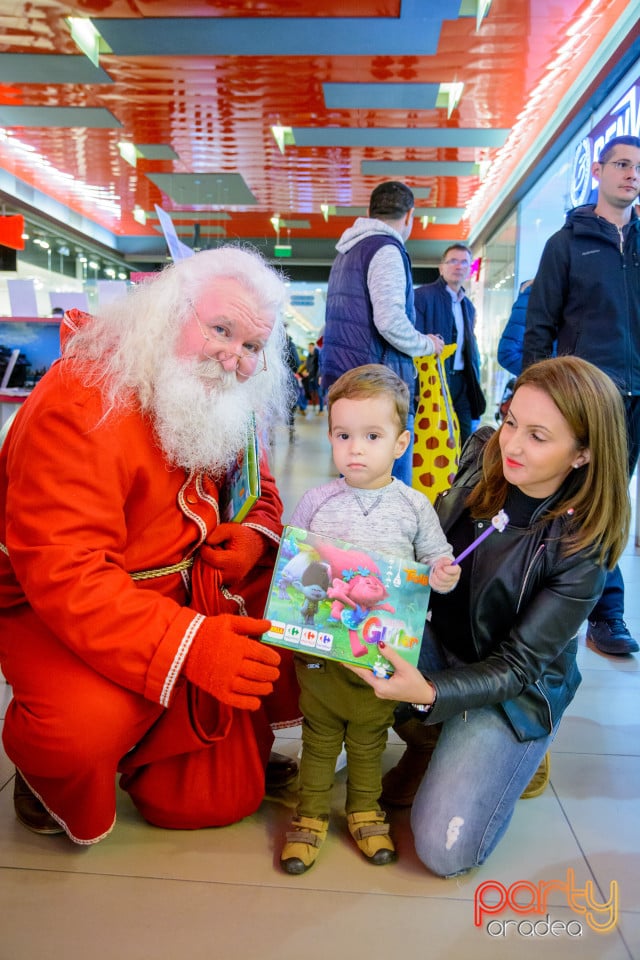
587, 296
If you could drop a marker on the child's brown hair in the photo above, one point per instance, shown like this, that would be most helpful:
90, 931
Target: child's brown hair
372, 380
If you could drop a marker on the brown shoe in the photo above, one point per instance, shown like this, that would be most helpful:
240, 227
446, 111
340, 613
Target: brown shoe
400, 784
303, 843
30, 811
370, 831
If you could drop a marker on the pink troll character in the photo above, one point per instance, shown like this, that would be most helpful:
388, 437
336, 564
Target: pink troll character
356, 591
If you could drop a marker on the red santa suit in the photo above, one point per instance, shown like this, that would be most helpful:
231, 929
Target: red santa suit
98, 535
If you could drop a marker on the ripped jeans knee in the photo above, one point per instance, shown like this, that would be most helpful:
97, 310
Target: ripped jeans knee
444, 848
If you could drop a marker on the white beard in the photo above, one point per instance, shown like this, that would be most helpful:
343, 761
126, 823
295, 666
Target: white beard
202, 414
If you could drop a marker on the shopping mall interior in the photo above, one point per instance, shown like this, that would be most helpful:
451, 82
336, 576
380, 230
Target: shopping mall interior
136, 133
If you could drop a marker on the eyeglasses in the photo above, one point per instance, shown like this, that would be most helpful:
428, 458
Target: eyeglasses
623, 166
456, 263
251, 362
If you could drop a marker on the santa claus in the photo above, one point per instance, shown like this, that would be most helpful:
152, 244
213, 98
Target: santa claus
130, 616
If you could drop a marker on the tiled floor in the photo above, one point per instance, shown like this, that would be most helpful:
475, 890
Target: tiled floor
150, 894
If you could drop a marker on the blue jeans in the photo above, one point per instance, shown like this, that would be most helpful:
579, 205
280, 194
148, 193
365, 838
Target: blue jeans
403, 466
466, 800
476, 775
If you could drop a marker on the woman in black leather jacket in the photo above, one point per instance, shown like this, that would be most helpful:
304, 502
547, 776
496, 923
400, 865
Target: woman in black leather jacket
498, 662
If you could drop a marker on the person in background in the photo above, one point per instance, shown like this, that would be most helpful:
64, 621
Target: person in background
510, 344
497, 667
443, 308
313, 370
370, 315
586, 297
130, 616
292, 361
368, 410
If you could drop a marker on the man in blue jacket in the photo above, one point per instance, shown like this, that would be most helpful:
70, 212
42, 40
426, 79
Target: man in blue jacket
370, 317
511, 340
587, 296
443, 308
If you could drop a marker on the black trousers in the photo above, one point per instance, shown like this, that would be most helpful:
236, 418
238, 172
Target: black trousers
460, 401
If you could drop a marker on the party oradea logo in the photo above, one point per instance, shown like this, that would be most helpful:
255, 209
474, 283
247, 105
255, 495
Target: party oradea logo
531, 902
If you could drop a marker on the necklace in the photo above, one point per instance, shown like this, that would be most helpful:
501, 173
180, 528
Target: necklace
370, 507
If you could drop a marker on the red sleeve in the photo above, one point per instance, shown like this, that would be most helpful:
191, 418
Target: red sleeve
87, 502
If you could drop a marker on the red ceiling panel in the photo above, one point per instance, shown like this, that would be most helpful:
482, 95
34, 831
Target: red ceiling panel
216, 112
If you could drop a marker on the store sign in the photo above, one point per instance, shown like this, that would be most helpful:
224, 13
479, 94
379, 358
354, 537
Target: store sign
622, 120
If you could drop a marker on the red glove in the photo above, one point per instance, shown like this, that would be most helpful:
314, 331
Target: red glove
225, 662
234, 550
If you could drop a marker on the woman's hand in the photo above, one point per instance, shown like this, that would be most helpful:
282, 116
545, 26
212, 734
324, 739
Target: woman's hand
407, 683
444, 575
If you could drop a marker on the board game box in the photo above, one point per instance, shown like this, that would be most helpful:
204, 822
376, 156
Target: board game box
331, 599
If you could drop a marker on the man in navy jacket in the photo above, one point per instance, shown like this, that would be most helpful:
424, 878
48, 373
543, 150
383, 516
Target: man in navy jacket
443, 308
587, 296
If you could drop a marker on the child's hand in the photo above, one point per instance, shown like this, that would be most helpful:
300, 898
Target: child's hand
444, 575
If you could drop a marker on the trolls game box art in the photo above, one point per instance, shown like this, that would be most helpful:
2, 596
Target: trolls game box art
331, 599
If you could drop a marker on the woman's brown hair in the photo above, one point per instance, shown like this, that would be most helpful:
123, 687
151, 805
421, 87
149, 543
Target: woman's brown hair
598, 495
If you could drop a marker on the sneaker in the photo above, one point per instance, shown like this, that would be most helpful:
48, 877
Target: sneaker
303, 843
370, 831
611, 636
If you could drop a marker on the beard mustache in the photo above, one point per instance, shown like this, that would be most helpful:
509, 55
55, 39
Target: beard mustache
202, 415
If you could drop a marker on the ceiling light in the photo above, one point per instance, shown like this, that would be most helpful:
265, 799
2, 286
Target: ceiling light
449, 96
86, 37
275, 222
139, 215
283, 136
129, 152
482, 10
327, 210
103, 197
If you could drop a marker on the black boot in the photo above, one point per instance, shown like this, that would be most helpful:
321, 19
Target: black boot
400, 784
281, 771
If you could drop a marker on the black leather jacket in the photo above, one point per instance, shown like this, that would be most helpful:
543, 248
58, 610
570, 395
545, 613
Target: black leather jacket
527, 602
